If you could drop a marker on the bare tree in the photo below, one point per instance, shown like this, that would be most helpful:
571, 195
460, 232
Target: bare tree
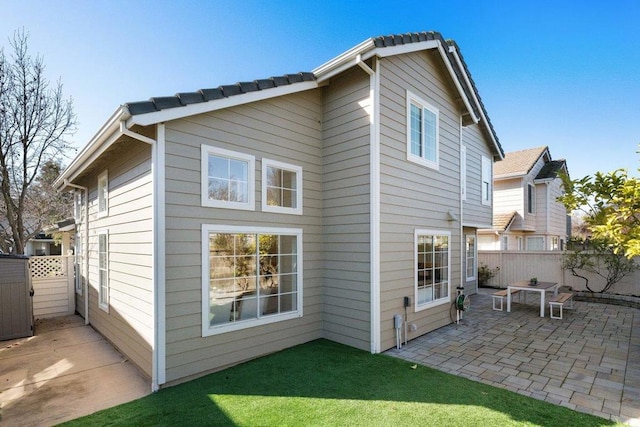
35, 119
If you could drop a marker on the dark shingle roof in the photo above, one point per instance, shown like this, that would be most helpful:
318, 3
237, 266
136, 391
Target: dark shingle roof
551, 169
204, 95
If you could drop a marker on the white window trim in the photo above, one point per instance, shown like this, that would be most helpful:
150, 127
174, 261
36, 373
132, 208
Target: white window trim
475, 256
208, 330
103, 177
205, 150
486, 175
289, 167
531, 206
416, 100
463, 171
103, 300
440, 301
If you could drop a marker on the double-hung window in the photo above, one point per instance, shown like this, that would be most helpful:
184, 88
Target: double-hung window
103, 270
252, 276
531, 198
432, 267
103, 194
281, 187
227, 178
422, 132
486, 180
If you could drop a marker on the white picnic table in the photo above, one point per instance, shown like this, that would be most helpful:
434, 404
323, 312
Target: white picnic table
540, 287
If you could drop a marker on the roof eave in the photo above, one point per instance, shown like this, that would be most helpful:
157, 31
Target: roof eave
100, 141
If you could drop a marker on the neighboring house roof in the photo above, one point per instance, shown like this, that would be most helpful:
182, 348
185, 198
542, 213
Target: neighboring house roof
518, 163
502, 221
165, 108
551, 169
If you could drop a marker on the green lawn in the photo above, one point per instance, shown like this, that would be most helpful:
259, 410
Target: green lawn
327, 384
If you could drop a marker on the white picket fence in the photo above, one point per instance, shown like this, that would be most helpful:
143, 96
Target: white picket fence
52, 278
546, 266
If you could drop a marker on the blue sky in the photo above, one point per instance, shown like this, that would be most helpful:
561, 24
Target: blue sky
560, 73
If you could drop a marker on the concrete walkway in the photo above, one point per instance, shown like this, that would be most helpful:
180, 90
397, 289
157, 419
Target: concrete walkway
589, 361
67, 370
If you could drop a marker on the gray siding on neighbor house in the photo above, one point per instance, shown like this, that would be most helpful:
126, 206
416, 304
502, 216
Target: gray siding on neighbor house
557, 213
129, 322
508, 196
346, 190
475, 213
413, 196
286, 129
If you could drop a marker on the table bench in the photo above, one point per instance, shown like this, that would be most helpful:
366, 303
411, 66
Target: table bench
559, 301
499, 296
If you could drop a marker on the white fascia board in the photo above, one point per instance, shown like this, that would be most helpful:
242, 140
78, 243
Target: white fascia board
217, 104
344, 57
475, 99
456, 82
105, 136
407, 48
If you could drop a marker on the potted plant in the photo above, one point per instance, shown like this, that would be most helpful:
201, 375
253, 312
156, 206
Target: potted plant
533, 281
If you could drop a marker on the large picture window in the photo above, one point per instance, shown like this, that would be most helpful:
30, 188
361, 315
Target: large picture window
227, 179
422, 132
251, 277
432, 267
281, 187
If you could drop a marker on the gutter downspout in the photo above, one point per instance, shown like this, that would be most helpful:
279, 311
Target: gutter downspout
463, 237
158, 251
85, 246
374, 228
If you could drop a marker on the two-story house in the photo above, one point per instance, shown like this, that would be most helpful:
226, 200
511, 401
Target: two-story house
221, 225
526, 212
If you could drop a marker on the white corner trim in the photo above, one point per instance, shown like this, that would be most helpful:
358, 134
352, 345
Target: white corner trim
158, 259
374, 129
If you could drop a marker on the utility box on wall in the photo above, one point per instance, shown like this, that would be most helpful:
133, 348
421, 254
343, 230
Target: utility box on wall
16, 298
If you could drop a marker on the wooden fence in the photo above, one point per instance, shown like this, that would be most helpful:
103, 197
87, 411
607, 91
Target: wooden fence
547, 267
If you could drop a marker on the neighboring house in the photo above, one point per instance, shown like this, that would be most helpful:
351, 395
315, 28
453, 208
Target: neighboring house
221, 225
526, 213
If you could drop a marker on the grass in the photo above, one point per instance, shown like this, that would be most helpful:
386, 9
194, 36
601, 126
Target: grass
327, 384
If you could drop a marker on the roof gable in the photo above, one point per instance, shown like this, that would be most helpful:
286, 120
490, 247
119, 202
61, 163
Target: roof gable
518, 163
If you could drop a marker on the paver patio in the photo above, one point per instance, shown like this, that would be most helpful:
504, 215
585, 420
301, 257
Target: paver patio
589, 361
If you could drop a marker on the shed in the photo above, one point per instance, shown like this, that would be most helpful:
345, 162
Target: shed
16, 302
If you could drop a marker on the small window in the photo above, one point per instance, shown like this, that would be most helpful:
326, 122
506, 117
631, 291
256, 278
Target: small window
470, 253
486, 180
103, 194
531, 199
432, 266
103, 270
251, 277
227, 179
281, 187
422, 132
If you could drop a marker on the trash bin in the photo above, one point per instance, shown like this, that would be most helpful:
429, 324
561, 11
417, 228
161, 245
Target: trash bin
16, 297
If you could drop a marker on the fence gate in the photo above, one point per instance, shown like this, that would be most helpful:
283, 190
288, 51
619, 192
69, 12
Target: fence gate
16, 304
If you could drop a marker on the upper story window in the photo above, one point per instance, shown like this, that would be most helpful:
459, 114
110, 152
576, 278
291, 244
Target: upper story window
432, 266
227, 179
281, 187
531, 199
422, 132
486, 180
103, 194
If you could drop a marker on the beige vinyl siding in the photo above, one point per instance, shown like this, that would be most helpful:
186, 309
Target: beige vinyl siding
557, 212
346, 134
286, 129
129, 322
508, 196
475, 213
412, 196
